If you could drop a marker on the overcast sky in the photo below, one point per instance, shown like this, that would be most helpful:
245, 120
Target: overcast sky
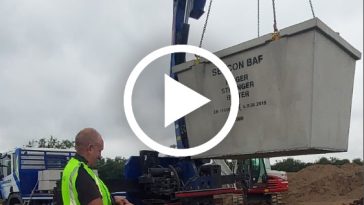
64, 64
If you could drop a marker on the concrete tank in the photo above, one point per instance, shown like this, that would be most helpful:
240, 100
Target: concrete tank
295, 94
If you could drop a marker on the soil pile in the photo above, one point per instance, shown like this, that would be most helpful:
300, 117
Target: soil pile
326, 185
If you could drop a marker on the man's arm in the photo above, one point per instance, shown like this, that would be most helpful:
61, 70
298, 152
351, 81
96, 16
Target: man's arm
88, 192
97, 201
87, 188
118, 201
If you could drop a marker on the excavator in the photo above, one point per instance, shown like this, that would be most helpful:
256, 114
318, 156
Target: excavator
264, 184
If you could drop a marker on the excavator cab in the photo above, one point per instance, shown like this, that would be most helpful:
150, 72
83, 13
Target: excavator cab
254, 171
263, 183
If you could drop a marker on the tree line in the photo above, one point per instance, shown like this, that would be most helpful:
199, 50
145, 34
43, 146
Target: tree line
294, 165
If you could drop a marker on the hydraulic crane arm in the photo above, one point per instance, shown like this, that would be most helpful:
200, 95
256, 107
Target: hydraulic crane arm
182, 11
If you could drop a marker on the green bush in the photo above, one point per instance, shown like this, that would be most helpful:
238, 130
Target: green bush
289, 165
358, 161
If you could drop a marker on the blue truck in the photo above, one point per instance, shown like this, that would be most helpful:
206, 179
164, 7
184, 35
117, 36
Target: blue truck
29, 175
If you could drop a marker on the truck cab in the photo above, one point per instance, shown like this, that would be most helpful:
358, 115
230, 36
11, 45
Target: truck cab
29, 175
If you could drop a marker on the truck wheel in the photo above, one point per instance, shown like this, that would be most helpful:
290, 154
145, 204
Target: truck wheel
14, 199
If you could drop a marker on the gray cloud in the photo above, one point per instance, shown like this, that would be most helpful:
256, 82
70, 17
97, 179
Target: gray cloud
64, 65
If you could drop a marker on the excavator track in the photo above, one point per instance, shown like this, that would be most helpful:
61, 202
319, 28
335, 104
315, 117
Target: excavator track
227, 199
277, 199
268, 199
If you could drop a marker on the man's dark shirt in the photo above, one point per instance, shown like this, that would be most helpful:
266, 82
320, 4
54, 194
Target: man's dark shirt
86, 186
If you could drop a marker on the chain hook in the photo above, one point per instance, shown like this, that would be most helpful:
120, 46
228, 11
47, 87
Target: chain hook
197, 60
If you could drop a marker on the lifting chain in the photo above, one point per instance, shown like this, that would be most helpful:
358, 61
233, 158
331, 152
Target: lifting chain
205, 25
197, 61
274, 16
275, 35
313, 13
258, 16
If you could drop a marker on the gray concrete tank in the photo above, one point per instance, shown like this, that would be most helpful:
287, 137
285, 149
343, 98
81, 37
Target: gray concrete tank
295, 94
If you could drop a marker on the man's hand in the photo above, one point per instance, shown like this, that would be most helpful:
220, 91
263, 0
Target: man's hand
121, 201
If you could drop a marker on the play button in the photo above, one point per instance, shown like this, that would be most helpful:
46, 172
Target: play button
179, 100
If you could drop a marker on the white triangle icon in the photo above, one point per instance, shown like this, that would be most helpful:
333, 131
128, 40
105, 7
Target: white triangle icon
179, 100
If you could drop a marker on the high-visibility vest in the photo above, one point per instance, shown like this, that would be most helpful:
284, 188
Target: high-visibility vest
69, 176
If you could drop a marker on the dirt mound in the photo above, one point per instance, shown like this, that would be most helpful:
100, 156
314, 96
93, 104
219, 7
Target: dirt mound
326, 183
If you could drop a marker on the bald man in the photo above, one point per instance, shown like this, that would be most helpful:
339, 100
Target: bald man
80, 185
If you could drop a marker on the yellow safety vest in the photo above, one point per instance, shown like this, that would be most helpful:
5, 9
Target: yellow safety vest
69, 176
